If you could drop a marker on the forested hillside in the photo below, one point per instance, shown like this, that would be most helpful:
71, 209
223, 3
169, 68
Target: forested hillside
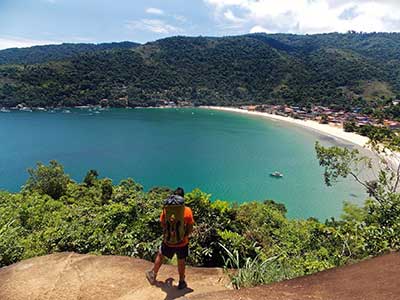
40, 54
345, 70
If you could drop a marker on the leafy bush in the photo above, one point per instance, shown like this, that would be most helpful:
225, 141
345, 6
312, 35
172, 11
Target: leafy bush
50, 180
91, 177
255, 238
252, 271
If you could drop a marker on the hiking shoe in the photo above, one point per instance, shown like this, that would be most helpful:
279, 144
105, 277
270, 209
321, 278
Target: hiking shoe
182, 285
151, 276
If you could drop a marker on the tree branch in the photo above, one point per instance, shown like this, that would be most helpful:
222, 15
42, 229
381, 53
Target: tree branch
368, 188
397, 179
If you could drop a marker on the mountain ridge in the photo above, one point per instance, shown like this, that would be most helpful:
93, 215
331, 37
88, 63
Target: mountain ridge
326, 69
46, 53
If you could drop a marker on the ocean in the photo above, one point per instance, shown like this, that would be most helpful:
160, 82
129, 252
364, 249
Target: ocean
227, 155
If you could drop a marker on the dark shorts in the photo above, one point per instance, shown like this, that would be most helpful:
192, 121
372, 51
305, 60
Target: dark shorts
181, 252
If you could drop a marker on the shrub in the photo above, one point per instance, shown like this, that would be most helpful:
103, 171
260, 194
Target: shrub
50, 180
264, 246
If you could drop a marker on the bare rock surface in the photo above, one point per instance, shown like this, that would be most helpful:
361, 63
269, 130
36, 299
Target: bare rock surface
70, 276
74, 276
372, 279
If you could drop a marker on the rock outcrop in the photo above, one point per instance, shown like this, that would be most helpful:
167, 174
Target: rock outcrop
70, 276
74, 276
372, 279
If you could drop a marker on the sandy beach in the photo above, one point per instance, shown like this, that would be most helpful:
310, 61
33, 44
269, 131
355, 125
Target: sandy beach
326, 129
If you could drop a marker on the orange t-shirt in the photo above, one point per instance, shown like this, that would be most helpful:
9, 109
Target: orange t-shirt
188, 220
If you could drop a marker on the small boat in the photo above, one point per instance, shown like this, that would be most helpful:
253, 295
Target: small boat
276, 174
5, 110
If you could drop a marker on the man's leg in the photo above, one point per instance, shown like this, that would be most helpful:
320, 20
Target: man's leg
181, 269
158, 262
152, 274
182, 254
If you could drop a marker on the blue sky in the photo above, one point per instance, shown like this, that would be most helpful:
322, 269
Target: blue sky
36, 22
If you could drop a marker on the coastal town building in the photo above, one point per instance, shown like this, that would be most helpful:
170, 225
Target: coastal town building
324, 115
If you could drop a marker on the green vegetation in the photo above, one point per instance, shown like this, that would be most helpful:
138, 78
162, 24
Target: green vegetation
53, 213
41, 54
256, 271
338, 70
376, 226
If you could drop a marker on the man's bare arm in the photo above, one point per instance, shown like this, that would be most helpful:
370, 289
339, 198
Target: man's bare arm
189, 229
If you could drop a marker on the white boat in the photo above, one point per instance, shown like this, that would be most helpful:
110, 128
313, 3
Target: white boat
5, 110
276, 174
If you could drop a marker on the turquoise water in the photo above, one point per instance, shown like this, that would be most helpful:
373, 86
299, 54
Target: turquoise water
225, 154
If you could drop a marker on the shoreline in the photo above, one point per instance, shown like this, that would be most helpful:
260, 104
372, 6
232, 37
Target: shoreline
326, 129
392, 158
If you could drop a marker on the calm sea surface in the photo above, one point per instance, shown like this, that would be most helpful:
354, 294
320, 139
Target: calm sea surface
225, 154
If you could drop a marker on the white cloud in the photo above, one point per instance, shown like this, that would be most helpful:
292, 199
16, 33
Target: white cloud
154, 11
305, 16
179, 18
224, 3
17, 42
230, 16
163, 24
153, 25
160, 12
258, 28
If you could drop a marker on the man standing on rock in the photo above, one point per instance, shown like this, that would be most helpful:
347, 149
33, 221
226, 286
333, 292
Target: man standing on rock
177, 222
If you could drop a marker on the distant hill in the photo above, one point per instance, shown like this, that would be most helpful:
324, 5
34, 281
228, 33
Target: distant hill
41, 54
343, 70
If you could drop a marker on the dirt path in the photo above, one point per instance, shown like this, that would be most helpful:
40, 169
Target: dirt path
84, 277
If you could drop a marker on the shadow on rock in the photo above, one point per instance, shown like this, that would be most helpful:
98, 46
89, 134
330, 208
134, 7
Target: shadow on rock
171, 291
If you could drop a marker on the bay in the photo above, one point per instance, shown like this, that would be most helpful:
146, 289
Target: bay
225, 154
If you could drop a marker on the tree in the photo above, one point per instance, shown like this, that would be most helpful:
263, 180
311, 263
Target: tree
378, 228
349, 126
343, 162
106, 189
278, 69
91, 177
50, 180
324, 119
